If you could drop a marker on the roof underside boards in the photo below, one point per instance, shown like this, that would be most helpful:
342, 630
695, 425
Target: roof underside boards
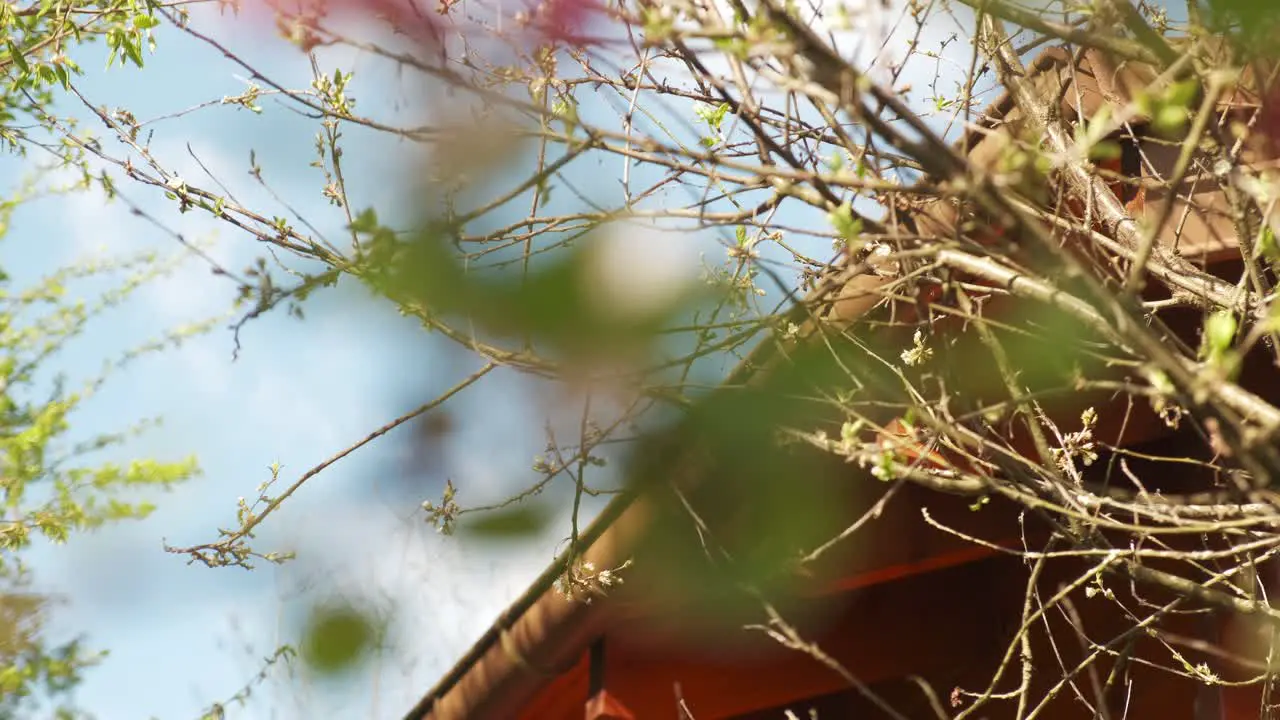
950, 628
721, 674
664, 640
922, 603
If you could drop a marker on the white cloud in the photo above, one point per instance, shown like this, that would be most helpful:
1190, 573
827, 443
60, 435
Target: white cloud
636, 271
97, 227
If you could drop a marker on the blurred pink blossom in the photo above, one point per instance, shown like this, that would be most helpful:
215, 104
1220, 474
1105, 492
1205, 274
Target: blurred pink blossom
426, 21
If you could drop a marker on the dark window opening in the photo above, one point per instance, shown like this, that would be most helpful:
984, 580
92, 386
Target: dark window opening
1130, 161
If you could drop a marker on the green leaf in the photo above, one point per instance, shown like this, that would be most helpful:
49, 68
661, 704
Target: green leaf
845, 224
1169, 119
134, 52
366, 222
16, 55
774, 521
336, 637
1267, 246
1105, 150
1182, 93
514, 523
713, 117
1219, 335
554, 303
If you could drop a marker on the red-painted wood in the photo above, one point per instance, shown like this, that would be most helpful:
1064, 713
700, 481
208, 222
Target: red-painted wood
605, 706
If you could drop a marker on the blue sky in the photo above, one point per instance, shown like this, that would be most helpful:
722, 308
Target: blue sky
183, 636
180, 636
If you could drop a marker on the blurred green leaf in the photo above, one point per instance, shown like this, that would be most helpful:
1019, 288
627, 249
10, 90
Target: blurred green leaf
513, 523
1105, 150
762, 501
845, 224
1250, 25
555, 303
1218, 340
336, 637
1168, 119
1182, 93
1219, 333
1267, 246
